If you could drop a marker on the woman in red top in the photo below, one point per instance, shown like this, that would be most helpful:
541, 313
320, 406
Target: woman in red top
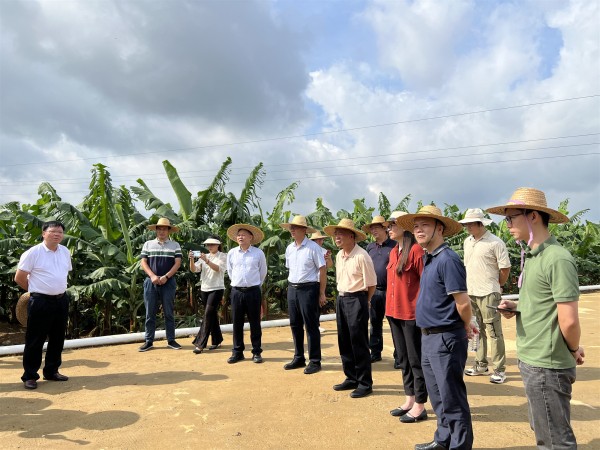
403, 280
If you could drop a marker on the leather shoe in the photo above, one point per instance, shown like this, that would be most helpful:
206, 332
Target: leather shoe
30, 384
361, 392
346, 385
56, 377
235, 358
399, 412
313, 367
214, 347
257, 359
295, 364
197, 350
375, 358
397, 365
409, 418
430, 446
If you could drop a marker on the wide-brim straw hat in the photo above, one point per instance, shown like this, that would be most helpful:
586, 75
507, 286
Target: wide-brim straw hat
451, 226
257, 234
475, 215
211, 241
529, 198
317, 235
346, 224
377, 220
298, 221
22, 309
393, 216
164, 222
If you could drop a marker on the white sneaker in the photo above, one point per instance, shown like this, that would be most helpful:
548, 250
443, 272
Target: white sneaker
476, 370
498, 377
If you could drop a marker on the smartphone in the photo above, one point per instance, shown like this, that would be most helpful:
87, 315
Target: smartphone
196, 253
497, 308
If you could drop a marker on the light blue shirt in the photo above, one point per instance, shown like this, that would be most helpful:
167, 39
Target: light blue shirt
246, 268
304, 261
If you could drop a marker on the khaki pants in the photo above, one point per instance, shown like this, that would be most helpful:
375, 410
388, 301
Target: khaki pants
490, 327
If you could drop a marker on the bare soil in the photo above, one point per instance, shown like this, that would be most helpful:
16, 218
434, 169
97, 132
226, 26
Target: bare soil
120, 398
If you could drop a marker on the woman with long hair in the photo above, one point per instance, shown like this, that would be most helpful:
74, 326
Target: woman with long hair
403, 280
212, 267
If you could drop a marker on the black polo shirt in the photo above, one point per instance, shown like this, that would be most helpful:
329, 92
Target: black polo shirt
380, 254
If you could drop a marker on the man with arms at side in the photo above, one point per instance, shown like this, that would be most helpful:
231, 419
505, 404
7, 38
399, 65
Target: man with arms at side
43, 271
379, 251
444, 315
307, 281
547, 315
488, 267
356, 282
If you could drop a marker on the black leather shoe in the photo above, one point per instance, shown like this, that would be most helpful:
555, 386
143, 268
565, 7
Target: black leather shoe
361, 392
375, 358
197, 350
30, 384
235, 358
346, 385
399, 412
56, 377
313, 367
408, 418
430, 446
397, 365
295, 364
257, 359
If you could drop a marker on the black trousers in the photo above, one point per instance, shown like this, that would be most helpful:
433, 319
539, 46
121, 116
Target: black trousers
407, 342
352, 317
304, 310
377, 314
46, 318
210, 324
246, 303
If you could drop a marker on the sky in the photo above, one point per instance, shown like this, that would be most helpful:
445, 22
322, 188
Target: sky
453, 102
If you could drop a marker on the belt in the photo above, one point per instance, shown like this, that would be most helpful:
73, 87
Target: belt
304, 285
246, 289
352, 294
381, 288
55, 297
437, 330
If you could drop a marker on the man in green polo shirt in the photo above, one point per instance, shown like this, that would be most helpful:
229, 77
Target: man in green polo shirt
548, 329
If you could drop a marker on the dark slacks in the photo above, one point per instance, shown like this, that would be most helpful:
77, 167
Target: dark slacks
304, 310
210, 324
377, 314
444, 356
407, 342
352, 317
246, 303
46, 318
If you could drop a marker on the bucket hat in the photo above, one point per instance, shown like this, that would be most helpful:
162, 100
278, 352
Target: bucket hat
475, 215
393, 216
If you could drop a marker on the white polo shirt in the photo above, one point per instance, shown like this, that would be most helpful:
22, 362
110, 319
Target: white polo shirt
47, 269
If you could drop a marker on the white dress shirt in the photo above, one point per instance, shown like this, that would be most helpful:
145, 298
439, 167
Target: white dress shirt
246, 268
304, 261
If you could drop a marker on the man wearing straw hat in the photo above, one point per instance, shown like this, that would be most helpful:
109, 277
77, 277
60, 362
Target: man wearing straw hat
43, 271
488, 266
307, 281
379, 251
356, 280
548, 329
444, 315
319, 239
161, 258
247, 269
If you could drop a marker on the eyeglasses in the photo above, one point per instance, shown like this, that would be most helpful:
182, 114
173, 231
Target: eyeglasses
509, 219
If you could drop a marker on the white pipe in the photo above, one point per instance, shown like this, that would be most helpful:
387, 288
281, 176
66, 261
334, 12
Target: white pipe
228, 328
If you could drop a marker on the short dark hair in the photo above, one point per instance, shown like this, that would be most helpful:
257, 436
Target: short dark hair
52, 224
544, 215
441, 223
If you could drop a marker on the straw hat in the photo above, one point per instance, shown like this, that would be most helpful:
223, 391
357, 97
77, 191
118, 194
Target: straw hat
377, 220
346, 224
529, 198
211, 241
393, 216
22, 308
257, 234
164, 222
298, 221
451, 226
317, 235
475, 215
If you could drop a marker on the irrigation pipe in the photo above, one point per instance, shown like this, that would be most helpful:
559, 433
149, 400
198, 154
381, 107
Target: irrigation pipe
181, 332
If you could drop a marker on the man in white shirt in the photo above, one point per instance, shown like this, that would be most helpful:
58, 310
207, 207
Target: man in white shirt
247, 269
307, 281
43, 271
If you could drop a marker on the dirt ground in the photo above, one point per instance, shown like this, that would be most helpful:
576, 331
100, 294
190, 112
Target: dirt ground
120, 398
